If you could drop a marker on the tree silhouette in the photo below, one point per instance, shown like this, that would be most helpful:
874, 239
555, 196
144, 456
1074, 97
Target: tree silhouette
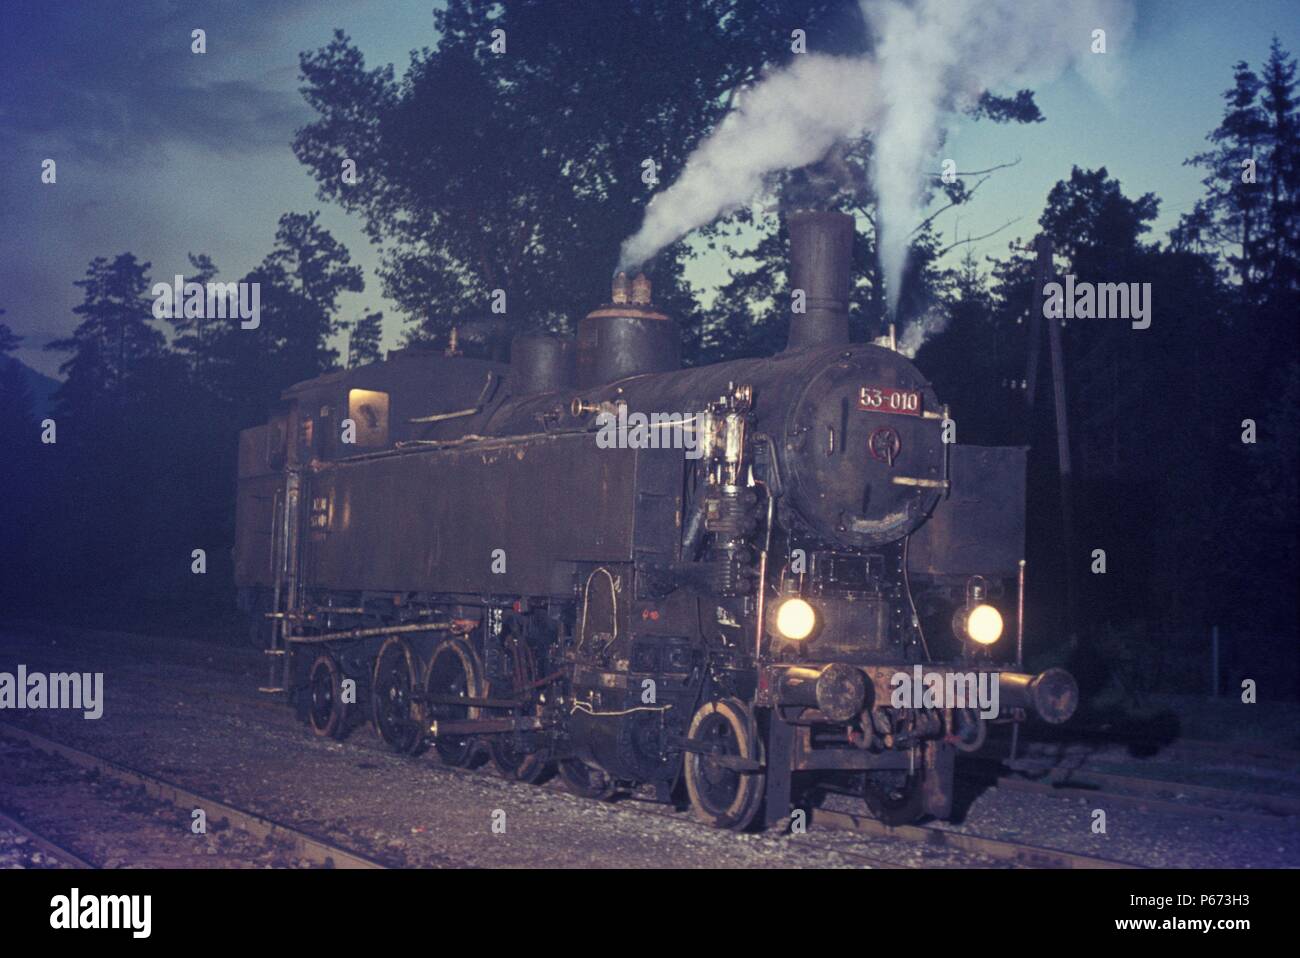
1250, 214
114, 339
1093, 224
194, 337
522, 171
20, 466
300, 282
1279, 249
363, 339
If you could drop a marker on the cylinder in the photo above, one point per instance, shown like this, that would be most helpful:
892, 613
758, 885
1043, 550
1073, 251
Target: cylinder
540, 364
1052, 695
797, 685
821, 259
838, 690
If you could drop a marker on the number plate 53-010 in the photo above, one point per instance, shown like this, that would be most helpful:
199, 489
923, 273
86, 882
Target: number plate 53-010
907, 402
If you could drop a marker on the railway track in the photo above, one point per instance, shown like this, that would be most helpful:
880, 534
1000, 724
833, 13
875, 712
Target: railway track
667, 813
1071, 783
52, 849
1279, 804
1018, 853
1189, 749
1026, 855
1076, 783
1021, 854
1288, 758
304, 846
628, 805
1232, 804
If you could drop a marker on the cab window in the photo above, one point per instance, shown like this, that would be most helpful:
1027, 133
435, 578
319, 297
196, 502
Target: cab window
277, 441
306, 439
368, 410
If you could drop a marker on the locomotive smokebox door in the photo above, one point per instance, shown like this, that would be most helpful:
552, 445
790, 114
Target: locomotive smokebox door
864, 449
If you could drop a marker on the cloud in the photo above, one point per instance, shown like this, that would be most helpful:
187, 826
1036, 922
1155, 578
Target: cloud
108, 81
160, 151
931, 59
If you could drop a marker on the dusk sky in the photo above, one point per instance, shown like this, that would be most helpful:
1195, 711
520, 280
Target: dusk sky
161, 152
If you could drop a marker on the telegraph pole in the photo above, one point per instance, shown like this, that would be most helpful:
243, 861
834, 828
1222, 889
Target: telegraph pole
1044, 274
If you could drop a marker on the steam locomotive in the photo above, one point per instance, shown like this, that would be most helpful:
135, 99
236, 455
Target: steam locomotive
719, 584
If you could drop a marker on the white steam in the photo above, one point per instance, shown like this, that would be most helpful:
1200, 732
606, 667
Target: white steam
921, 328
788, 120
939, 56
932, 58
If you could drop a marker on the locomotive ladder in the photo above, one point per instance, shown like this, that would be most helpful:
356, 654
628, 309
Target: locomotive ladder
277, 678
284, 556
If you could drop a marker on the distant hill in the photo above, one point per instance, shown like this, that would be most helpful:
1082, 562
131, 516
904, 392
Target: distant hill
42, 388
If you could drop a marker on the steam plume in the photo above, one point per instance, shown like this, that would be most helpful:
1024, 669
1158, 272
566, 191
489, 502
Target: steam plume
921, 328
939, 56
932, 57
788, 120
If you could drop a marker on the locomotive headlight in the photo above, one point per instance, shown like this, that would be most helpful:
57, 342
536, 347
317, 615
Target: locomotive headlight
795, 619
984, 624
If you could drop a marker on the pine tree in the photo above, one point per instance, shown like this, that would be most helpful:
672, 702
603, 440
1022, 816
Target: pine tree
193, 336
114, 341
299, 284
19, 462
364, 338
1228, 218
1280, 248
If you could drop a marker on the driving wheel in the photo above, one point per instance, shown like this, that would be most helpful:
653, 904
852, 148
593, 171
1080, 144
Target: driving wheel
453, 674
397, 717
725, 778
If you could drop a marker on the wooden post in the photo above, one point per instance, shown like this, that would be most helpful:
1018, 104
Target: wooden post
1043, 276
1035, 337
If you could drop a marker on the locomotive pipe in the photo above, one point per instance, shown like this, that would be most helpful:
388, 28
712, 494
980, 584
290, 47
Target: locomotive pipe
838, 690
367, 633
1052, 695
760, 616
463, 700
1020, 617
485, 726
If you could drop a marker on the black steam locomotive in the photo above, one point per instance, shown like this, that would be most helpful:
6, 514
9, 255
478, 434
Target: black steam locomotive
747, 578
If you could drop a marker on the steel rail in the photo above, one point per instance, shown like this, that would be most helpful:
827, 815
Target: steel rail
1029, 856
259, 826
50, 847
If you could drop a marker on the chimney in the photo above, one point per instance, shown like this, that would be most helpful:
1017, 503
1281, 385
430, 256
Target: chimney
821, 255
621, 288
626, 337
